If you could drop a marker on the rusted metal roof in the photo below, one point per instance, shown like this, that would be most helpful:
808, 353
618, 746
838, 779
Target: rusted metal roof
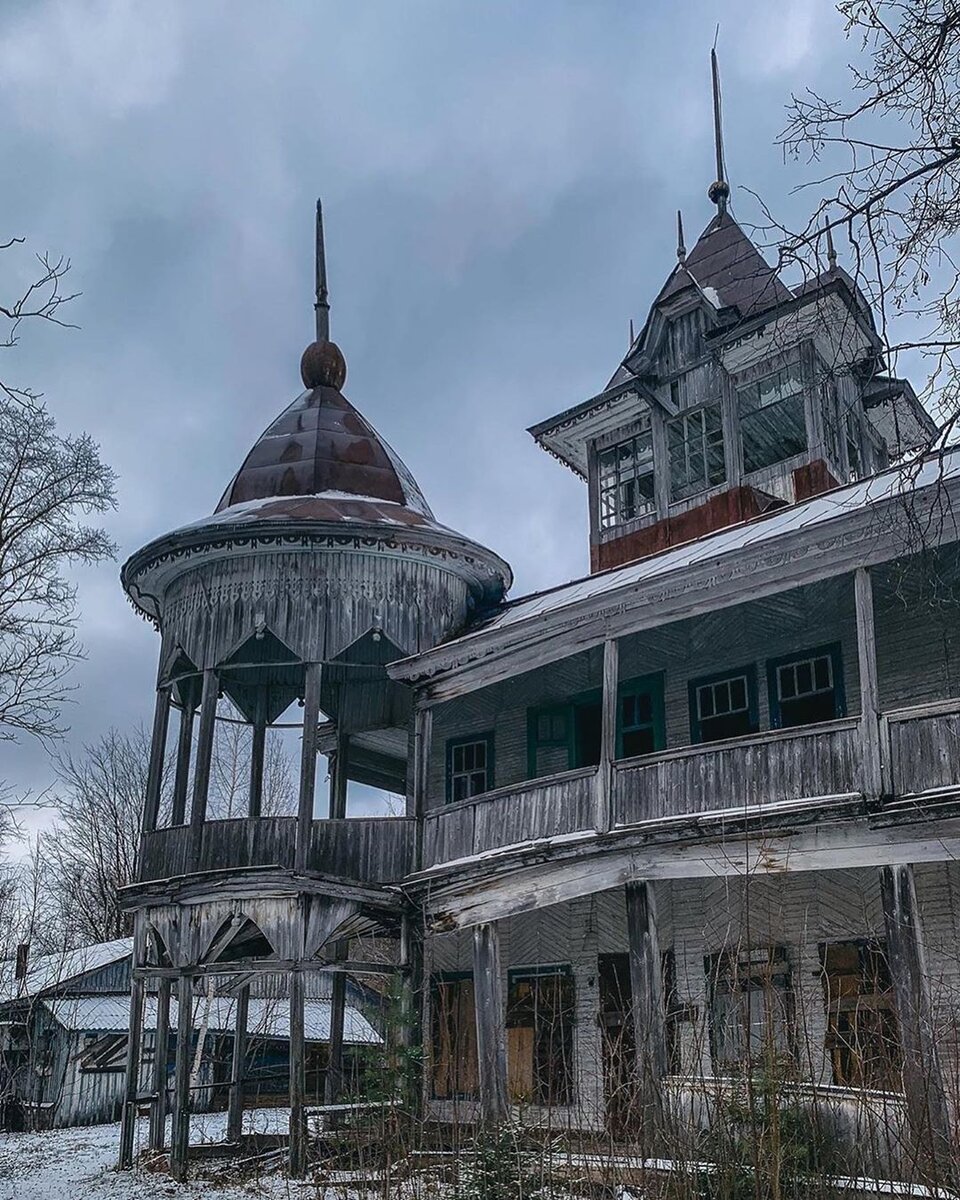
321, 453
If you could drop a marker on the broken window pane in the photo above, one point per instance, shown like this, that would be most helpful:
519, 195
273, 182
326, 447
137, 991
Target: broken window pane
724, 707
862, 1033
772, 419
696, 452
750, 1008
806, 689
469, 767
625, 480
540, 1017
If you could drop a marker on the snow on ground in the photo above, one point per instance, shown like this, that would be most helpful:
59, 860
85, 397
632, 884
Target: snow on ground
80, 1164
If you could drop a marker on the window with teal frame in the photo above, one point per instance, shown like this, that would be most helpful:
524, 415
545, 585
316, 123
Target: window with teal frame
562, 737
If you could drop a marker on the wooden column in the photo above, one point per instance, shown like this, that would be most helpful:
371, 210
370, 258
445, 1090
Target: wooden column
928, 1108
258, 754
646, 986
158, 746
491, 1027
180, 1137
339, 770
411, 1008
201, 774
158, 1105
238, 1066
298, 1079
869, 696
132, 1080
603, 817
333, 1080
308, 764
182, 777
418, 776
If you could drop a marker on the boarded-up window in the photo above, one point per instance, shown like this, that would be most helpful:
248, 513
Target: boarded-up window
454, 1038
540, 1019
862, 1035
750, 1007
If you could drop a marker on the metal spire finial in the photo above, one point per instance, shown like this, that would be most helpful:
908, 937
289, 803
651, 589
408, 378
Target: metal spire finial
831, 249
322, 304
681, 248
633, 336
719, 190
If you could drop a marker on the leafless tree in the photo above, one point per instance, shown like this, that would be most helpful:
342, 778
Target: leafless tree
230, 774
887, 176
48, 484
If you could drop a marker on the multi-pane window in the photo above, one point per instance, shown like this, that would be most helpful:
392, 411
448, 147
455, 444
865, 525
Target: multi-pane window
625, 480
806, 688
695, 440
540, 1019
723, 706
638, 722
750, 1007
469, 767
772, 418
862, 1033
854, 452
832, 423
454, 1030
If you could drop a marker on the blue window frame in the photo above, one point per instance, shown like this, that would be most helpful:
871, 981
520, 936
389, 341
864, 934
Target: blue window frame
724, 705
807, 687
469, 766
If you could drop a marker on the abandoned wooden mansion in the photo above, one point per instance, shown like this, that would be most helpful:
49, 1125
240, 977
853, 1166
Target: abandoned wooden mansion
692, 815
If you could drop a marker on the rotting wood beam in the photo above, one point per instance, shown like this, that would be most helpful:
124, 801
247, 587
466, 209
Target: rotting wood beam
158, 1106
180, 1136
491, 1026
603, 814
420, 776
132, 1077
648, 1014
298, 1078
238, 1066
333, 1080
308, 764
258, 749
158, 746
181, 777
928, 1107
869, 691
274, 966
201, 774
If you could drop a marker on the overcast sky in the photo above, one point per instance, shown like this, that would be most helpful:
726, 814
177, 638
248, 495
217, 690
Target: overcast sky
500, 183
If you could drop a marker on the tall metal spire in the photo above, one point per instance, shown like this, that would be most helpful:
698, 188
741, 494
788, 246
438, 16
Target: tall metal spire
719, 191
831, 249
681, 248
322, 304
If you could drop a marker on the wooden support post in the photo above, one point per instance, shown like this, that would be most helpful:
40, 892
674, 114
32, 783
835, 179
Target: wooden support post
928, 1108
491, 1027
158, 746
308, 764
238, 1066
180, 1136
646, 985
201, 774
418, 776
333, 1080
603, 818
158, 1106
298, 1079
411, 1009
339, 768
132, 1080
869, 696
258, 753
178, 812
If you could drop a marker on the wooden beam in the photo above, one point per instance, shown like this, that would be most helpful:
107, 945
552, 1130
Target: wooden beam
158, 1106
258, 753
339, 768
928, 1109
158, 747
298, 1077
333, 1080
201, 773
180, 1137
491, 1027
238, 1066
646, 985
417, 801
308, 764
411, 1007
132, 1078
181, 779
869, 693
603, 815
276, 966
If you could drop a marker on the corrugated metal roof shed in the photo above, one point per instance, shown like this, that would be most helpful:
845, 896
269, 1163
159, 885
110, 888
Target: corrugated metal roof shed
50, 971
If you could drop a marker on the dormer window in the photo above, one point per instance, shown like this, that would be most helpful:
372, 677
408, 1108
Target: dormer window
772, 418
625, 480
695, 441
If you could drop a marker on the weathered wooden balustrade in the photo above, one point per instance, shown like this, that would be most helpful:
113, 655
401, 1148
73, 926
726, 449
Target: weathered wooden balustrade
365, 849
923, 747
